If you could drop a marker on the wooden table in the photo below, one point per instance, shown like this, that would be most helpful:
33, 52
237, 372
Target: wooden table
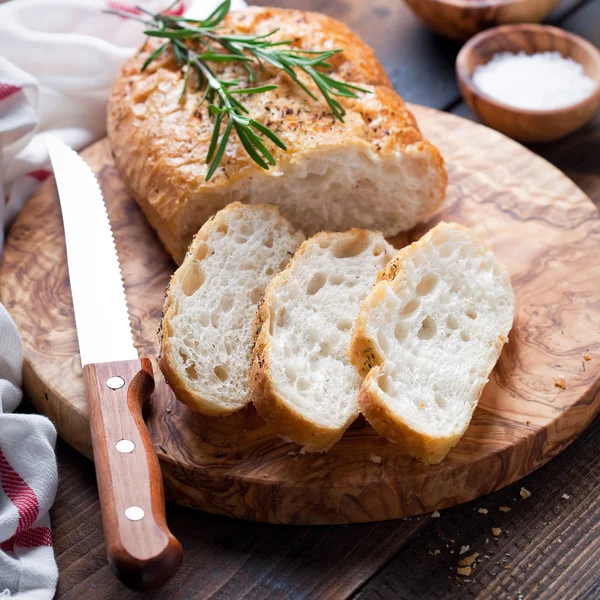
550, 542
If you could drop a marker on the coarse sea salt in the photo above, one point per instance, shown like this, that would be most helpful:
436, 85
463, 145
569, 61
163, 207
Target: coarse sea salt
541, 81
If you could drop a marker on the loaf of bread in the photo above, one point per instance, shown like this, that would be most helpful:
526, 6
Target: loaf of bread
373, 171
427, 338
206, 331
301, 381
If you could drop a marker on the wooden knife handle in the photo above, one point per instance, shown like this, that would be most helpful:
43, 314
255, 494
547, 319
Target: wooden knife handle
141, 549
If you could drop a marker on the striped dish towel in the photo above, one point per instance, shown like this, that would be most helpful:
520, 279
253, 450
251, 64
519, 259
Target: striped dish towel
55, 76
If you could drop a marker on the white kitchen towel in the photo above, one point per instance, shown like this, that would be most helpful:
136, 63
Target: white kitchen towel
58, 60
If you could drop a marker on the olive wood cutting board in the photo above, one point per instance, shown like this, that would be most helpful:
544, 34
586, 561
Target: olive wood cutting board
538, 222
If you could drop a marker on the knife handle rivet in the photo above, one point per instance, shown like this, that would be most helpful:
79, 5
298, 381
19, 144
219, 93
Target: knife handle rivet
125, 446
134, 513
115, 383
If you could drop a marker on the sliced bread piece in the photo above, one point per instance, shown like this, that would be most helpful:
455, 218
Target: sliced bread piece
427, 337
206, 333
301, 381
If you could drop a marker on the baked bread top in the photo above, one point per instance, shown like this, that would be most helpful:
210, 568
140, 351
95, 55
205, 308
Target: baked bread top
160, 145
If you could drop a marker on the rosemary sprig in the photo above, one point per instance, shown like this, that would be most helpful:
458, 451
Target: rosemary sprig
212, 45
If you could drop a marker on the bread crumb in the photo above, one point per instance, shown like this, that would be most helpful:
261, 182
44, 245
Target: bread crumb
496, 531
559, 540
504, 509
430, 553
436, 552
560, 382
468, 560
291, 453
464, 571
376, 459
464, 549
507, 566
524, 493
435, 514
527, 422
587, 357
565, 496
483, 511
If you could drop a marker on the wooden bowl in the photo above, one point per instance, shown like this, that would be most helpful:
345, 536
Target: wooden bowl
462, 19
519, 123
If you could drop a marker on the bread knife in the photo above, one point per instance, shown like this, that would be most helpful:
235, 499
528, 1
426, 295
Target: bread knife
141, 550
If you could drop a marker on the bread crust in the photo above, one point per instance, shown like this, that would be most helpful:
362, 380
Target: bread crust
176, 381
160, 145
362, 353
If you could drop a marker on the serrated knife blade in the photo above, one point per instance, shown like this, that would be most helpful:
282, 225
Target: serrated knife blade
100, 306
140, 548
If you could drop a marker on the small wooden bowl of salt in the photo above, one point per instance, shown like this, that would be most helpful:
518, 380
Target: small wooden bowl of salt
535, 83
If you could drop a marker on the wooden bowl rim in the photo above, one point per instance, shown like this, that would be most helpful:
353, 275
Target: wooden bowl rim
466, 78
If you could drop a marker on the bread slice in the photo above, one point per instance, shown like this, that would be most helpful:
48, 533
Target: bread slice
375, 170
301, 381
206, 333
427, 337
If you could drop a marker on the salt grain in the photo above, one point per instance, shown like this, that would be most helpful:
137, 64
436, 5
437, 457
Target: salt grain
541, 81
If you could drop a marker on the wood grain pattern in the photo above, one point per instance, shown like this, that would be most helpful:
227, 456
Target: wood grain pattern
540, 225
461, 19
522, 124
142, 551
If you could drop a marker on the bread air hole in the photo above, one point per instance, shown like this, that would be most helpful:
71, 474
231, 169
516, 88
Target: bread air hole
245, 229
451, 322
471, 313
201, 252
336, 278
191, 372
268, 242
302, 384
383, 341
214, 319
344, 325
222, 228
348, 248
427, 284
255, 294
378, 249
440, 401
400, 331
411, 307
192, 279
324, 241
464, 336
428, 329
316, 283
445, 251
269, 271
281, 317
204, 319
221, 372
240, 239
226, 302
386, 385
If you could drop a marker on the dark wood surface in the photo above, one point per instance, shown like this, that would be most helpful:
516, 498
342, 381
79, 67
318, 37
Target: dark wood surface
550, 544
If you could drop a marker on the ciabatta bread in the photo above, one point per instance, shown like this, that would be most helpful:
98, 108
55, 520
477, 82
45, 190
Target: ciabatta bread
206, 332
427, 337
301, 381
374, 171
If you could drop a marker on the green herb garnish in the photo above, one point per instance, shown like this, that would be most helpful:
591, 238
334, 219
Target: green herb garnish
214, 46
